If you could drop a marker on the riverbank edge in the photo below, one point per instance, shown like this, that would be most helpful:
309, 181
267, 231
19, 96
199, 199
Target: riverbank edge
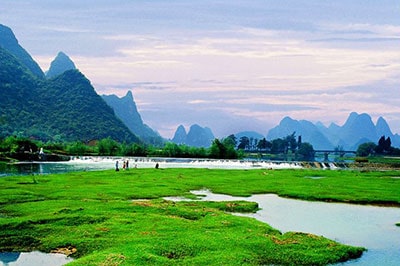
376, 203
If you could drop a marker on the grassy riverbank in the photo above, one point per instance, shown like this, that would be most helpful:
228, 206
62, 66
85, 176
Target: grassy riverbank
102, 218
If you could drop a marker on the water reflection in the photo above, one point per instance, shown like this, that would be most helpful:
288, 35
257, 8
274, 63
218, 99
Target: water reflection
34, 258
358, 225
102, 163
8, 257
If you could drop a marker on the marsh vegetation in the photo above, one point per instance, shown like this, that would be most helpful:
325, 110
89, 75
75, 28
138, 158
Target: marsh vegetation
121, 218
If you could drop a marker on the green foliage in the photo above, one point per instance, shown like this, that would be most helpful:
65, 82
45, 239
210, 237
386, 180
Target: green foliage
14, 144
224, 149
64, 108
133, 149
306, 151
384, 147
92, 214
78, 148
264, 144
291, 142
280, 148
366, 149
244, 143
108, 146
361, 160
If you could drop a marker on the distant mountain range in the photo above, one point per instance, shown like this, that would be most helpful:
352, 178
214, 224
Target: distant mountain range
357, 129
63, 105
196, 137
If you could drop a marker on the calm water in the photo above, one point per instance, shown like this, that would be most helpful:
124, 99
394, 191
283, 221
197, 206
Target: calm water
34, 258
357, 225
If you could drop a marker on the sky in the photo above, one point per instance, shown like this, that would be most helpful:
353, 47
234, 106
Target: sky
228, 65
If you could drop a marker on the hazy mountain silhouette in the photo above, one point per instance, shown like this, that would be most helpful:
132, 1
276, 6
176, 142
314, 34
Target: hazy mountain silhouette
59, 65
10, 43
307, 130
125, 108
180, 135
196, 137
357, 129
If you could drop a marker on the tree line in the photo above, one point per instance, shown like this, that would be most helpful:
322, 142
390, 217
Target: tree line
225, 148
383, 147
289, 144
13, 147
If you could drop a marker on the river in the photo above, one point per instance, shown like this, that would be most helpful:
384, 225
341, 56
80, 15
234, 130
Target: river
88, 163
371, 227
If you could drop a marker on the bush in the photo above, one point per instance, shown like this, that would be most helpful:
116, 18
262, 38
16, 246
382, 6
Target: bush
361, 160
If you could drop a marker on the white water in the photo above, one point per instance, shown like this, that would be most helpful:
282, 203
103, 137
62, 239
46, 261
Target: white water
145, 162
89, 163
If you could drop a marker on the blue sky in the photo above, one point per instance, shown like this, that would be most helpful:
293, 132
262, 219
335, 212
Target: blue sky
228, 65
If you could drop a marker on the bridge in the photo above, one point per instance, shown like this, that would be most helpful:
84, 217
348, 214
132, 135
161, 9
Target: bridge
334, 151
327, 152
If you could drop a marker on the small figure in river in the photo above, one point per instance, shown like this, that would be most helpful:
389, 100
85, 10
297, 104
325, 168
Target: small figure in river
116, 166
157, 165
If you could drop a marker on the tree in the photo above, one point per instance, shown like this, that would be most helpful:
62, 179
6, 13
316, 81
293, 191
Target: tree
387, 144
224, 149
264, 144
108, 146
77, 148
18, 145
231, 139
230, 152
381, 144
278, 146
291, 142
306, 151
217, 149
384, 145
172, 150
244, 143
299, 141
366, 149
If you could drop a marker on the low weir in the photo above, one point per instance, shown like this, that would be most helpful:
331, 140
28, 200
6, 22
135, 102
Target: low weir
91, 163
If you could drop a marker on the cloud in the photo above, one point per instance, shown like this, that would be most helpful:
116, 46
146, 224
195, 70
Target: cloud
383, 30
227, 65
256, 75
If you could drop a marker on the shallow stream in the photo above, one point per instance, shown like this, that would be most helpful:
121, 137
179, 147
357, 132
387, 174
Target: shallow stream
358, 225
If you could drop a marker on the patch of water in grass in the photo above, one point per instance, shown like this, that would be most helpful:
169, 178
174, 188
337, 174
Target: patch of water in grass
371, 227
315, 177
34, 258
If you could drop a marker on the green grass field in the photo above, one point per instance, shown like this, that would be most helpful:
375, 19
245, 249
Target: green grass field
121, 218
